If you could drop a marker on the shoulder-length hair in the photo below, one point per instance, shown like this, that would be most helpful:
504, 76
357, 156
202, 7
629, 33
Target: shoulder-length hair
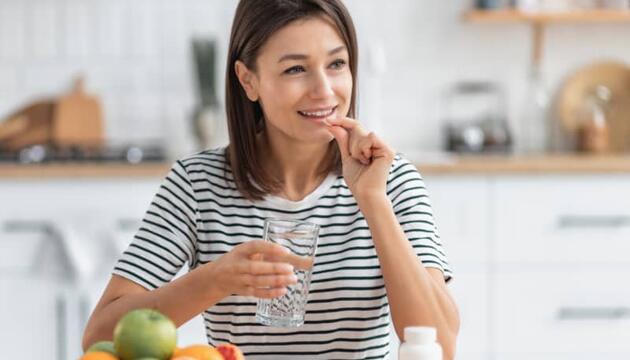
254, 23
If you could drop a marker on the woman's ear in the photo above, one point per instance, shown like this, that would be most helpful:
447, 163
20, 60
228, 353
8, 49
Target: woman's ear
247, 79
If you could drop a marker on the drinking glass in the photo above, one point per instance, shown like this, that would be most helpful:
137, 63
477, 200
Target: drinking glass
300, 238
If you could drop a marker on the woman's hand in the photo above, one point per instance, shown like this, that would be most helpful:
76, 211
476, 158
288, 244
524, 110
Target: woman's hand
242, 271
366, 158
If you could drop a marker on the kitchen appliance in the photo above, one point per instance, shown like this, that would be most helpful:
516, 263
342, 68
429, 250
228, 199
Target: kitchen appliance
208, 121
475, 119
126, 154
73, 120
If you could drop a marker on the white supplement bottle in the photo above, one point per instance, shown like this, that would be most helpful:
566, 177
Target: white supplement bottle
420, 344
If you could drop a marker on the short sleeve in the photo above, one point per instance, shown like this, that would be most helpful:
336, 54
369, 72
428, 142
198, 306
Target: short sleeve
412, 206
167, 236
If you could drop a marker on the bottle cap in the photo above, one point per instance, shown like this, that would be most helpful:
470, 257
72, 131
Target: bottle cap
420, 334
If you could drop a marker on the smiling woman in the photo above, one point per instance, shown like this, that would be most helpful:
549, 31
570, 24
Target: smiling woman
278, 81
296, 153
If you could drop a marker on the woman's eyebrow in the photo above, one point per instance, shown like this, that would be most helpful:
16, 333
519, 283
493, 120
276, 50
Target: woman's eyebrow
303, 57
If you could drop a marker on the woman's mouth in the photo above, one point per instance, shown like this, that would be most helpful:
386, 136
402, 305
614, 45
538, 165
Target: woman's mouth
318, 114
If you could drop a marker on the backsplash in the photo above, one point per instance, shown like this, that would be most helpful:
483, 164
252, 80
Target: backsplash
135, 56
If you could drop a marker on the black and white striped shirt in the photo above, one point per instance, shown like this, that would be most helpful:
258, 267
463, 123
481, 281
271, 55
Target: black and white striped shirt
198, 214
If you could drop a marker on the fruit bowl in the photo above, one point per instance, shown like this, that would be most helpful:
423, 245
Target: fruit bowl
147, 334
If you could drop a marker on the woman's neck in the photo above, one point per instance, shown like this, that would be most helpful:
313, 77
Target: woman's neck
300, 167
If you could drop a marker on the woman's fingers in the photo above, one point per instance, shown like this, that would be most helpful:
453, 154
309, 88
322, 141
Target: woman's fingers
263, 247
267, 293
264, 268
357, 142
268, 281
299, 262
341, 136
344, 122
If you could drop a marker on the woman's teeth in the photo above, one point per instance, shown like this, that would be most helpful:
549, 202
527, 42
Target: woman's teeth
317, 114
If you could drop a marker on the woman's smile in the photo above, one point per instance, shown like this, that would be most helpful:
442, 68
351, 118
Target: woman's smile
318, 114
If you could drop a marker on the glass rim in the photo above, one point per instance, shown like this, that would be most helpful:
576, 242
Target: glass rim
291, 221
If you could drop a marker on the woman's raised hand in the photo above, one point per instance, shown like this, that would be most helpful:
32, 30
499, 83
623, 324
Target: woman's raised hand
366, 158
242, 271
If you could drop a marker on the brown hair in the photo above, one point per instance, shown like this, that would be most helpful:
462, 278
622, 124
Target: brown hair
256, 21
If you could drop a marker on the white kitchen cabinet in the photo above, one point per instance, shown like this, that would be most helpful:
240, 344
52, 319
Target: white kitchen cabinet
29, 310
461, 210
48, 311
559, 257
562, 314
561, 220
539, 262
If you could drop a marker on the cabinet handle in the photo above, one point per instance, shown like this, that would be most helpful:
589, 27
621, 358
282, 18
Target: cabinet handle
593, 221
17, 226
593, 313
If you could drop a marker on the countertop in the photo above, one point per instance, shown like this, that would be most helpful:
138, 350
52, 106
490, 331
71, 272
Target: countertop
84, 170
521, 164
472, 165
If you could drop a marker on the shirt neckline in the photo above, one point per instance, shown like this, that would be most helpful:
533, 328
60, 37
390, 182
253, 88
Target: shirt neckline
280, 202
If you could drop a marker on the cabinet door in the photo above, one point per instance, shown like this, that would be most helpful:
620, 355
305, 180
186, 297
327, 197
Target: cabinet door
47, 321
461, 208
34, 319
544, 315
470, 290
562, 220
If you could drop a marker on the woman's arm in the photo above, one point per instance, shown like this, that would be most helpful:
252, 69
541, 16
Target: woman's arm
236, 272
180, 300
417, 295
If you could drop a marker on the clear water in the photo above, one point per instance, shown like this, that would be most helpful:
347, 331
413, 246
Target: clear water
288, 310
301, 239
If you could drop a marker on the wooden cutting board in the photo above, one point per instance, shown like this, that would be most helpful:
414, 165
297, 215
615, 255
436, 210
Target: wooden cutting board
580, 86
73, 120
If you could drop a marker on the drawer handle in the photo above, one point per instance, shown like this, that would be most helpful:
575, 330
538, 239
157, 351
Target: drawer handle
593, 221
593, 313
18, 226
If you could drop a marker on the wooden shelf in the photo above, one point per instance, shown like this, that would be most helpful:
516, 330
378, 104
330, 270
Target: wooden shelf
540, 20
576, 16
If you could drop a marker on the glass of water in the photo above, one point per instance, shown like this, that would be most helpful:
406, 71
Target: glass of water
301, 239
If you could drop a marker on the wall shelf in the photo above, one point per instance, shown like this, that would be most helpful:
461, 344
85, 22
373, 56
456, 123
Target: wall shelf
576, 16
539, 20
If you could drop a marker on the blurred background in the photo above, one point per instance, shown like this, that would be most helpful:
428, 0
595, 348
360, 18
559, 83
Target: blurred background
517, 113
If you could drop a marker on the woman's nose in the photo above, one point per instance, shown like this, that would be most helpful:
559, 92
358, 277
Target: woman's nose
322, 86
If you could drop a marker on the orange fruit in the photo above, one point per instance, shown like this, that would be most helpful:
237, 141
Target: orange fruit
230, 352
98, 355
199, 352
183, 358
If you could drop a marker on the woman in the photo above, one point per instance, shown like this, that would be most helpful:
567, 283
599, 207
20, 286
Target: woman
296, 152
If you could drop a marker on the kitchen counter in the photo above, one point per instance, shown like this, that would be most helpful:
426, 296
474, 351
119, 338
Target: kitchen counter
469, 164
84, 170
520, 164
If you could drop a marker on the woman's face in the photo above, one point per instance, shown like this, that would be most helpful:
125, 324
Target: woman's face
302, 77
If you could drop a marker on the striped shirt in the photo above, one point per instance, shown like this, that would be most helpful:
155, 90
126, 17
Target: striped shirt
198, 215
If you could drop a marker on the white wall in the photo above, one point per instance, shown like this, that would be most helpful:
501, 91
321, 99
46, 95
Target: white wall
136, 57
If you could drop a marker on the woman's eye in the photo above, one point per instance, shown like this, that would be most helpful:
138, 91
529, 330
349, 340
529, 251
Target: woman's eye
294, 70
338, 64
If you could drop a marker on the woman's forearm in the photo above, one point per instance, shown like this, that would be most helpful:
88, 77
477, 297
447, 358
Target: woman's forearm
180, 300
416, 297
